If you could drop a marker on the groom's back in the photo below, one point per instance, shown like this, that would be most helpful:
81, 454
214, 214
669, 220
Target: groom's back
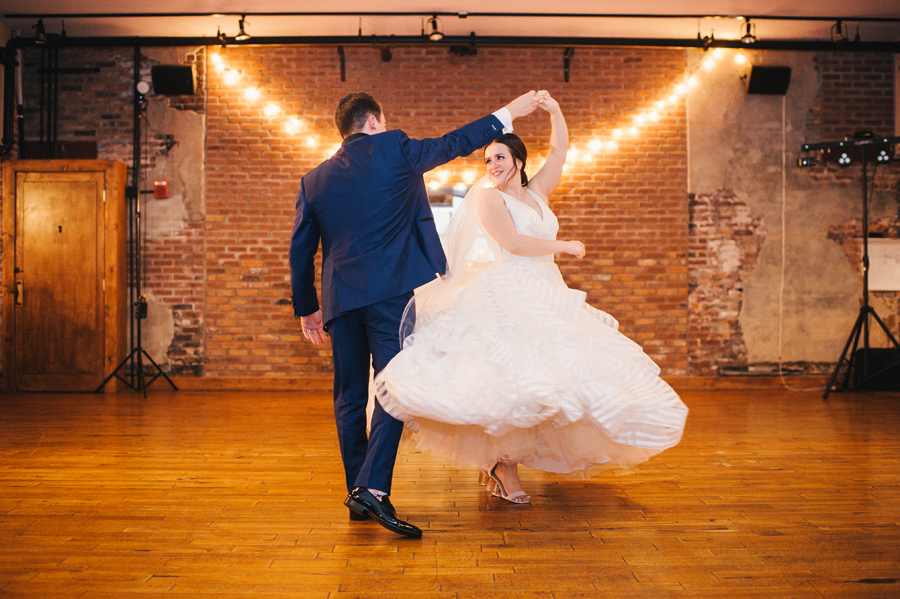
369, 205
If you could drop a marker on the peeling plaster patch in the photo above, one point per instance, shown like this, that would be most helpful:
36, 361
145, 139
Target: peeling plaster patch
724, 246
729, 256
158, 330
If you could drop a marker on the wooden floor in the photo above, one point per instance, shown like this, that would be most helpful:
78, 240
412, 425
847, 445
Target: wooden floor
770, 494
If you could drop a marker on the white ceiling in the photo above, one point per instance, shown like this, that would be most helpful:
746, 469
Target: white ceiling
680, 28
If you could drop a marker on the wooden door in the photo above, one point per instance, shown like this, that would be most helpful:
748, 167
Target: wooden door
64, 307
59, 312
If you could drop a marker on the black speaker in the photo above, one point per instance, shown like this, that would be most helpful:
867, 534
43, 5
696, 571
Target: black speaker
771, 81
174, 80
883, 368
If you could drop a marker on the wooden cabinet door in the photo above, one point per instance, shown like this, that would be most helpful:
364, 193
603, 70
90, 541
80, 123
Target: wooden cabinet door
59, 311
63, 273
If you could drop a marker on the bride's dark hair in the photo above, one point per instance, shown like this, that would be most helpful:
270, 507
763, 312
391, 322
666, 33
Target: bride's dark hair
517, 148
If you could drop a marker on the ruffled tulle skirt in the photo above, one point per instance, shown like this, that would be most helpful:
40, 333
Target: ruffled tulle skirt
516, 366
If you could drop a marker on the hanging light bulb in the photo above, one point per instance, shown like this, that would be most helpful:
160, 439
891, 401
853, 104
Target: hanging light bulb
232, 76
292, 126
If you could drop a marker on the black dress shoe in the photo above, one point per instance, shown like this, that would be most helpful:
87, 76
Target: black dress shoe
361, 501
358, 517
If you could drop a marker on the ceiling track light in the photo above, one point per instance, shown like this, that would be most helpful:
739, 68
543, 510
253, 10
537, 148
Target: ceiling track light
221, 37
434, 29
242, 35
840, 33
40, 33
749, 36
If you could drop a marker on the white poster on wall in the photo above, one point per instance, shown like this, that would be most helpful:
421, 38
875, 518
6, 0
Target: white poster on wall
884, 264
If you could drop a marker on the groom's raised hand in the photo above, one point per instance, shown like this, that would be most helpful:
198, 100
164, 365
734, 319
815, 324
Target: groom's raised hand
524, 104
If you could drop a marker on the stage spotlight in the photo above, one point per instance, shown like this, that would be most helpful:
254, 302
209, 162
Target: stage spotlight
221, 37
839, 32
242, 35
844, 159
882, 157
386, 54
434, 29
749, 36
40, 33
806, 161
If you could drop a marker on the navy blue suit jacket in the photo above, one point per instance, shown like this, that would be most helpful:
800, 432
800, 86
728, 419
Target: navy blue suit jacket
369, 207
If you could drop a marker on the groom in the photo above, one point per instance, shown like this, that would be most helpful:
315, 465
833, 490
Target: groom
369, 207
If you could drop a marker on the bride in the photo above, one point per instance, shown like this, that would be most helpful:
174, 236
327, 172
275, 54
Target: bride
503, 364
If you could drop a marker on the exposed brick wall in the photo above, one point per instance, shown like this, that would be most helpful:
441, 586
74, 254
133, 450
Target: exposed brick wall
98, 106
857, 93
725, 241
225, 275
628, 206
93, 106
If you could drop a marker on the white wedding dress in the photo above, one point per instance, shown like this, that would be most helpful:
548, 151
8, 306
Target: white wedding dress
511, 364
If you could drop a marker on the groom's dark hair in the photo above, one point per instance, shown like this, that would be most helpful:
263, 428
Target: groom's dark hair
517, 149
352, 110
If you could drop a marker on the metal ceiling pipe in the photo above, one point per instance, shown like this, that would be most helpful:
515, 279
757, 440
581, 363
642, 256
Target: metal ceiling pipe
411, 40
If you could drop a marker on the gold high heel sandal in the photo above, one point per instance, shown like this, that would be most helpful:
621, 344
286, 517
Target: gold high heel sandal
495, 487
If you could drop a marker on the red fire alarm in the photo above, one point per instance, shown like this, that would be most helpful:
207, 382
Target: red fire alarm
161, 189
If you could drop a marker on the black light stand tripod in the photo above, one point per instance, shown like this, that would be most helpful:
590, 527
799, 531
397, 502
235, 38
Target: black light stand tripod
861, 327
137, 380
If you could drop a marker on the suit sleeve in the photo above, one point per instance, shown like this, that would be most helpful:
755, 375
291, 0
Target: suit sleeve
426, 154
304, 245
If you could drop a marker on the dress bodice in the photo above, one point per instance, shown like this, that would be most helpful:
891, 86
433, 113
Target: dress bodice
528, 222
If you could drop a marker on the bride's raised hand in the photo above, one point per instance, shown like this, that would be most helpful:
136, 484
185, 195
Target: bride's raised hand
548, 102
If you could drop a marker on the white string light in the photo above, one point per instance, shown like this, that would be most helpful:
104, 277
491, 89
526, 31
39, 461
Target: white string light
293, 124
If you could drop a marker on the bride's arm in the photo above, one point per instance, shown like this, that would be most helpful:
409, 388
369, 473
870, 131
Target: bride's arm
546, 179
498, 223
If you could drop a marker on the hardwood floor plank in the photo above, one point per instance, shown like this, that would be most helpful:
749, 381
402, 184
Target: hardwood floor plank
227, 494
